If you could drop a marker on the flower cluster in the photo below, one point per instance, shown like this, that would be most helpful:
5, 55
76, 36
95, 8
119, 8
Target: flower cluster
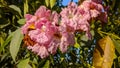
43, 34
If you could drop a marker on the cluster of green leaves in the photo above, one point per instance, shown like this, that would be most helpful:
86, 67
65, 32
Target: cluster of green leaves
14, 54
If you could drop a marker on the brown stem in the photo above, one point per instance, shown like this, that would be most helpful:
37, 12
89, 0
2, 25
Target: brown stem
80, 1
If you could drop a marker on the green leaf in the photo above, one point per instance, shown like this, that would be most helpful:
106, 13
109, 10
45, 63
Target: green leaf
15, 43
52, 3
84, 38
14, 7
47, 63
6, 41
23, 63
41, 63
21, 21
61, 59
92, 32
117, 45
4, 56
52, 59
26, 6
1, 41
47, 2
76, 44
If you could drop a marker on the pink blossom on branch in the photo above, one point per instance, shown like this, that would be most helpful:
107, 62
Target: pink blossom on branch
76, 18
95, 8
67, 39
39, 50
43, 29
45, 35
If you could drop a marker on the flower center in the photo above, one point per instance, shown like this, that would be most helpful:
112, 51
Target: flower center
32, 26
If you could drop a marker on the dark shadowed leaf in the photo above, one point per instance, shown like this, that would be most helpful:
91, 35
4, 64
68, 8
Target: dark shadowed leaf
4, 22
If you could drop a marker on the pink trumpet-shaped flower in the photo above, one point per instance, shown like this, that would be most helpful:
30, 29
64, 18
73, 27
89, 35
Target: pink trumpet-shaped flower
46, 31
75, 18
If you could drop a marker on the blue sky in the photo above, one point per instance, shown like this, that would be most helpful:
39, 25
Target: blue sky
65, 2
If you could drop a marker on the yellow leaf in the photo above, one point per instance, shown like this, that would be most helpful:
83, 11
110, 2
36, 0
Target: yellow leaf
103, 54
52, 3
47, 2
76, 43
25, 6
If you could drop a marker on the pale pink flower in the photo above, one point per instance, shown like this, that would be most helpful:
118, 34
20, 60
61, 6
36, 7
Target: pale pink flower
43, 52
94, 8
44, 24
54, 18
53, 46
39, 50
48, 35
30, 20
66, 40
33, 34
44, 34
35, 47
67, 37
94, 13
75, 18
67, 15
42, 15
28, 17
43, 12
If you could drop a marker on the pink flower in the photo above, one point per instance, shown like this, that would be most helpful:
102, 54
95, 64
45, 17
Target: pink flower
94, 13
67, 15
43, 12
41, 28
39, 50
44, 34
75, 18
54, 18
45, 40
66, 40
43, 52
42, 15
94, 8
103, 17
48, 35
52, 47
30, 20
28, 16
84, 26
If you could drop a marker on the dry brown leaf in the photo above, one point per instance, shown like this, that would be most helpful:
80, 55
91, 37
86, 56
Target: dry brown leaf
103, 54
